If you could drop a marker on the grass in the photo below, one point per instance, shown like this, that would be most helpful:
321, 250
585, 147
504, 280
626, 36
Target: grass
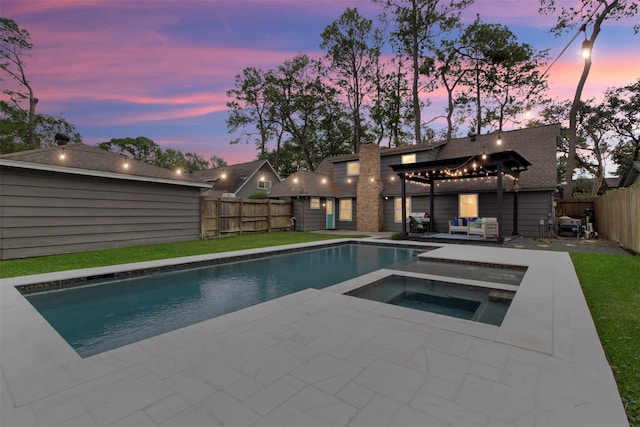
100, 258
611, 286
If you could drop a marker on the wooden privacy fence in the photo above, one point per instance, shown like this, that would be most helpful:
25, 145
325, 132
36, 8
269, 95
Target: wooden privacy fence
572, 208
220, 217
617, 217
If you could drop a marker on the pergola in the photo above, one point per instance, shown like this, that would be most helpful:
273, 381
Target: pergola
482, 165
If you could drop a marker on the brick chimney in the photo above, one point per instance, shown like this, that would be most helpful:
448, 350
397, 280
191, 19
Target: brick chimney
369, 189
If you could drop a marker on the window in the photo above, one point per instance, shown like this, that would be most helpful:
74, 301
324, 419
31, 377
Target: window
345, 210
353, 168
468, 205
397, 208
315, 203
264, 184
409, 158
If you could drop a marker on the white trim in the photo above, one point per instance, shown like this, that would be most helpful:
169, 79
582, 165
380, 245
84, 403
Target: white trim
101, 174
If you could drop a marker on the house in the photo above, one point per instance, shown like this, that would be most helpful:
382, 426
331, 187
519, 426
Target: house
72, 198
632, 177
241, 180
313, 197
364, 191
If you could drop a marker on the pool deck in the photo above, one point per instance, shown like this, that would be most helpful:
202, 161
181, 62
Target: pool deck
320, 358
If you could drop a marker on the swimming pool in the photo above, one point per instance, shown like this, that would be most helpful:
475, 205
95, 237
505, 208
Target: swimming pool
103, 314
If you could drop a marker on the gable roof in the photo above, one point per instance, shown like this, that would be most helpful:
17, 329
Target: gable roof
532, 149
304, 183
81, 159
231, 179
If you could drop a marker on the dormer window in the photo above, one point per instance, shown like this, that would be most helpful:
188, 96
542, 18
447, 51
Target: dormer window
353, 168
408, 158
264, 184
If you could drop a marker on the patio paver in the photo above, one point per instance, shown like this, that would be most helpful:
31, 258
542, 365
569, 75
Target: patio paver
321, 358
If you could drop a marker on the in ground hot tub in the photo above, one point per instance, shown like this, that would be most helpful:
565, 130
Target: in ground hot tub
476, 303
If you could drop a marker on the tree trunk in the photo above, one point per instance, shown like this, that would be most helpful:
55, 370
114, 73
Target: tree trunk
416, 96
573, 113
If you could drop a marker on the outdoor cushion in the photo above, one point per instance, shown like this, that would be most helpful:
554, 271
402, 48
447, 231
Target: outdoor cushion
455, 222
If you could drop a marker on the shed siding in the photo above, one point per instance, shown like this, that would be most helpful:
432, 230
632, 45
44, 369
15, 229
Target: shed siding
48, 213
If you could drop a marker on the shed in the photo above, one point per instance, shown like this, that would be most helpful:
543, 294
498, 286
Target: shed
77, 197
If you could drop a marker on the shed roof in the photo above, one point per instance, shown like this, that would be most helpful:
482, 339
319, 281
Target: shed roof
87, 160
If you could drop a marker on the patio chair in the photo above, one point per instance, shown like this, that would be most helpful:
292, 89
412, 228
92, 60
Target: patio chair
416, 226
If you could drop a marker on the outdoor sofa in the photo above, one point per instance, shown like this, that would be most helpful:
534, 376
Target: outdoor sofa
484, 227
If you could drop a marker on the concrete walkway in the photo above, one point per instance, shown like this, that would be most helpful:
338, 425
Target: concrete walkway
321, 358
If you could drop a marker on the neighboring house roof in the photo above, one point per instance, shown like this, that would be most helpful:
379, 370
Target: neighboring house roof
81, 159
231, 179
304, 183
633, 176
613, 181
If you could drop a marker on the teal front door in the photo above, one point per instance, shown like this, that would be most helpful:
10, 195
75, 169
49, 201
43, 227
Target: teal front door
330, 212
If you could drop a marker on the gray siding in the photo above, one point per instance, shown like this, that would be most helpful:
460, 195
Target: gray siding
308, 219
251, 186
46, 213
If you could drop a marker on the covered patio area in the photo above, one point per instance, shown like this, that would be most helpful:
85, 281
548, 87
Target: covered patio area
496, 165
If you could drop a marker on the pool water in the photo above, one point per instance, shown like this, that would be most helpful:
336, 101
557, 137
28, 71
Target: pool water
105, 314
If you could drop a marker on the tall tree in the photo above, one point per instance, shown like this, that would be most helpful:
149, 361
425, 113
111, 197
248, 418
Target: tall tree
451, 71
146, 150
569, 18
141, 148
21, 128
418, 25
390, 112
501, 73
15, 45
621, 113
249, 108
353, 49
302, 104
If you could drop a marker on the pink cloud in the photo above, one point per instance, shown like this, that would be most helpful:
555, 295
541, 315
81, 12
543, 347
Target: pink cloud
129, 63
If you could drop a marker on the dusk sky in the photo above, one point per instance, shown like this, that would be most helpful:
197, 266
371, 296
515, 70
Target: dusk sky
161, 68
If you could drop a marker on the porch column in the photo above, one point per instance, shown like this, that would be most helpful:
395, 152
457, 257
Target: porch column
432, 192
403, 194
499, 203
515, 213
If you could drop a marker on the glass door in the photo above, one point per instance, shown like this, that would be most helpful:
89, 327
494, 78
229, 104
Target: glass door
330, 214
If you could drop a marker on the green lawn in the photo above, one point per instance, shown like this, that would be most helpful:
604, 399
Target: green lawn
611, 286
50, 264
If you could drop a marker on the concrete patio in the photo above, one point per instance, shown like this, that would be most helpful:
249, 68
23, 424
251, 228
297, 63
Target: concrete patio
321, 358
